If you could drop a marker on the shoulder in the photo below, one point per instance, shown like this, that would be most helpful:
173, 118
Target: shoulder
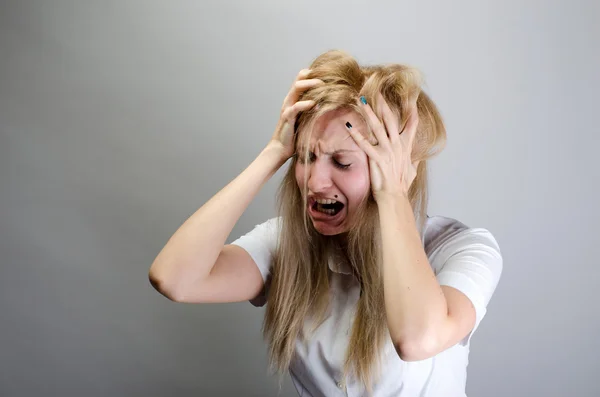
445, 237
261, 241
465, 258
267, 230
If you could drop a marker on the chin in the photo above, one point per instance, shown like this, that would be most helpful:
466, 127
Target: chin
328, 230
329, 227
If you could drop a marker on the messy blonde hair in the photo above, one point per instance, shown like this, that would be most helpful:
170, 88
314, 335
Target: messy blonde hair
298, 291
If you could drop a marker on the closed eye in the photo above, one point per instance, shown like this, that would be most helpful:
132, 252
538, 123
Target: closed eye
340, 165
312, 157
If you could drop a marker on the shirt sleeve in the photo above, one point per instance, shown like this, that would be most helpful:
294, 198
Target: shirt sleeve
472, 263
261, 245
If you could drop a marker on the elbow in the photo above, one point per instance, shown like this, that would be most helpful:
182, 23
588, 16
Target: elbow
415, 349
161, 285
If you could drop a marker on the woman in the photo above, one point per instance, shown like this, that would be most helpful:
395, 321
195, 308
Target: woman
365, 293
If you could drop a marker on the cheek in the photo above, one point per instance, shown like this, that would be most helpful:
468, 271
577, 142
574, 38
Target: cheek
357, 185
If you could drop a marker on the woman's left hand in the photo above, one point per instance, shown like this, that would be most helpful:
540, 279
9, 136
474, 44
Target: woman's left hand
391, 167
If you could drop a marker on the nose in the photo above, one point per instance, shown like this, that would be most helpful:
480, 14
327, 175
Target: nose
319, 178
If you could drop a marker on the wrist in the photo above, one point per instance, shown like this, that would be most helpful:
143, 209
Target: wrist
395, 211
390, 198
276, 153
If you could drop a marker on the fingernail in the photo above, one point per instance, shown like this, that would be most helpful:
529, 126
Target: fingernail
363, 100
348, 125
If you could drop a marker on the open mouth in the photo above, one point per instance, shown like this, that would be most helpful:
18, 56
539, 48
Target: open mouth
327, 207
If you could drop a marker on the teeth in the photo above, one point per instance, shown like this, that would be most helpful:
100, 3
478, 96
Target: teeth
328, 212
326, 201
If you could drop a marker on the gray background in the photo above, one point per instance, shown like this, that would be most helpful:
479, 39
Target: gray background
118, 119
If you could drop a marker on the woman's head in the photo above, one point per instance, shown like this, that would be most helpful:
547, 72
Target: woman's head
331, 171
328, 163
329, 166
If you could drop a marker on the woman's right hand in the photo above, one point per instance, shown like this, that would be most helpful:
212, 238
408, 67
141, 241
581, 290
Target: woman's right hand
283, 138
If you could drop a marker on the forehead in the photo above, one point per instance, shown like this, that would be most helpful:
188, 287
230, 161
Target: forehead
329, 131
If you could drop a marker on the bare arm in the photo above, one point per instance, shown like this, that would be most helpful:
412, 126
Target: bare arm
194, 265
423, 317
188, 257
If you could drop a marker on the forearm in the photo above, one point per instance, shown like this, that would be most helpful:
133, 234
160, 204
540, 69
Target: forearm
414, 301
191, 252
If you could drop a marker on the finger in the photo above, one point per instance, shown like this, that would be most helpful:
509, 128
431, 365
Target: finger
374, 123
299, 87
302, 85
361, 141
302, 74
410, 129
389, 120
291, 112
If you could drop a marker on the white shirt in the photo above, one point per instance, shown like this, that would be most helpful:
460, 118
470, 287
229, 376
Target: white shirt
467, 259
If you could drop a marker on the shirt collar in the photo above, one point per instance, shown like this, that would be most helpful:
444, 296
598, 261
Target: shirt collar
339, 267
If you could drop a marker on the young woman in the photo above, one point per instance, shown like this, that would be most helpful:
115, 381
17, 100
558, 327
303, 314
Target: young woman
365, 293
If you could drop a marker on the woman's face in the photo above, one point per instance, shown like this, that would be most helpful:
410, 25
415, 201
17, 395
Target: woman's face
336, 174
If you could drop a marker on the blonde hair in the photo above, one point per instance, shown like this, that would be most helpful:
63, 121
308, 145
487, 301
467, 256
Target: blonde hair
298, 291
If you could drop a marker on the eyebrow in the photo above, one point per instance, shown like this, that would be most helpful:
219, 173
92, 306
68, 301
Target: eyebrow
302, 149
